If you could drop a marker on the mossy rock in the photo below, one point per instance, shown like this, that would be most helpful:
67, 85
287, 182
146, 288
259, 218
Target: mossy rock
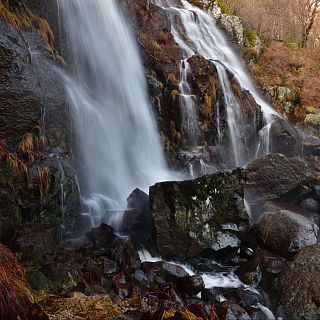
37, 280
194, 215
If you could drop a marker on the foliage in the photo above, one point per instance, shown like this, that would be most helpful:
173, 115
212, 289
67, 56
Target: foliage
225, 9
295, 21
297, 69
15, 294
44, 178
16, 165
250, 35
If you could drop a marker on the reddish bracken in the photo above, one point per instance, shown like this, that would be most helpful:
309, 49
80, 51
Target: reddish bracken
15, 293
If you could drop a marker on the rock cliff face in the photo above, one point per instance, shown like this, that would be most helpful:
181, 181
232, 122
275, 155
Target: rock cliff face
34, 136
162, 59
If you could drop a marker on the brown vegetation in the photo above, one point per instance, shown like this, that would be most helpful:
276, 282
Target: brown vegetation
295, 21
294, 68
18, 15
44, 178
15, 294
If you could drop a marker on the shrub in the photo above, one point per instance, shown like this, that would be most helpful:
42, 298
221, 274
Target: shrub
15, 293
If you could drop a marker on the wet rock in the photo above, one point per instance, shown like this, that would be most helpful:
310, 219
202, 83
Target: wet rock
101, 236
123, 288
192, 285
172, 272
232, 311
138, 199
36, 240
29, 83
243, 297
191, 216
286, 232
298, 290
124, 254
311, 146
311, 205
271, 262
285, 138
137, 221
109, 266
37, 280
272, 177
140, 277
230, 23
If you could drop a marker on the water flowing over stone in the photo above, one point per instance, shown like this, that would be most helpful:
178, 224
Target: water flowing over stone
197, 34
116, 134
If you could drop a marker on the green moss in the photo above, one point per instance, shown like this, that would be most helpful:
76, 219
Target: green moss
225, 9
37, 280
250, 35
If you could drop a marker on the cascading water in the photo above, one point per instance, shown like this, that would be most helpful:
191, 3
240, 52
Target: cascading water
116, 134
196, 33
190, 126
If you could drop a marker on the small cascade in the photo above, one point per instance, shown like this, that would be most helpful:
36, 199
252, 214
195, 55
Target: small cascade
197, 33
234, 118
116, 135
188, 105
213, 280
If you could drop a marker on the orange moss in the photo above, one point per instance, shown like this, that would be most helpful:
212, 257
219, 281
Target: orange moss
44, 178
9, 16
295, 68
3, 150
19, 15
16, 165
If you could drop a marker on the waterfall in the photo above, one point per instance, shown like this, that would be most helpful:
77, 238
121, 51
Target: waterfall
196, 32
116, 134
190, 126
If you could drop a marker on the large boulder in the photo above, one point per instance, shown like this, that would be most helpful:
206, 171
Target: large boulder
285, 138
298, 288
31, 89
191, 216
272, 177
286, 232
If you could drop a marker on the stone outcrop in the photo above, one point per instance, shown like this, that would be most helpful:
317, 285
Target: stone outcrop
272, 177
191, 216
285, 138
298, 288
34, 130
286, 232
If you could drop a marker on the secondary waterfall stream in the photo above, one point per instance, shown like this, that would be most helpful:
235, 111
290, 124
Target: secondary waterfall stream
196, 32
116, 135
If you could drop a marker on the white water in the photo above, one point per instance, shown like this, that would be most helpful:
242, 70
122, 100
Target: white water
197, 33
188, 105
212, 280
116, 135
